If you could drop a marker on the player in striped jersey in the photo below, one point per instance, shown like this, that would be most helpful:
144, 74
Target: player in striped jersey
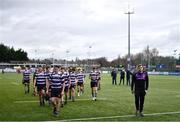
48, 73
80, 82
73, 81
99, 79
34, 89
57, 90
94, 79
65, 75
41, 82
26, 79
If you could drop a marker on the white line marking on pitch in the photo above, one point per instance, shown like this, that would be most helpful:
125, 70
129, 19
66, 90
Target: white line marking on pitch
123, 116
34, 101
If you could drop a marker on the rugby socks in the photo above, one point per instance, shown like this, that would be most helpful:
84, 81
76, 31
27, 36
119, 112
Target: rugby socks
65, 99
73, 98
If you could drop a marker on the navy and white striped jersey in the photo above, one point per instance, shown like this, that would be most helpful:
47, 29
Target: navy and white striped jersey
41, 78
73, 77
93, 76
57, 80
99, 74
80, 77
48, 73
65, 76
26, 75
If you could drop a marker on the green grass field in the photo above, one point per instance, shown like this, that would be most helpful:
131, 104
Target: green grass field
115, 103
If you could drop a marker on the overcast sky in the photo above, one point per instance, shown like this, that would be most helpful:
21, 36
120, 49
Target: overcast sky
46, 27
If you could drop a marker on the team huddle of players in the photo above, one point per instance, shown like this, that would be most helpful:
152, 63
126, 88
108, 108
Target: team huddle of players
58, 84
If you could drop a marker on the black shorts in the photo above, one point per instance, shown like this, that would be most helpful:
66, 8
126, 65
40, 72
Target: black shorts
66, 89
80, 83
56, 92
26, 81
93, 84
72, 86
41, 87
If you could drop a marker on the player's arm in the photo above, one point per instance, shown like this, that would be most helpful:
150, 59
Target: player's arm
132, 84
63, 88
147, 82
47, 85
34, 83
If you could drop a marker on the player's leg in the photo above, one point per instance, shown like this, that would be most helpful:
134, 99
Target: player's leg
73, 93
28, 88
94, 92
62, 101
137, 103
99, 85
70, 92
81, 88
54, 105
91, 84
142, 97
66, 90
78, 88
123, 80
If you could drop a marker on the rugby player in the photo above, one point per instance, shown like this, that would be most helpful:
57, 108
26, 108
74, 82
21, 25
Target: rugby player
34, 89
42, 84
65, 76
73, 81
80, 82
26, 79
57, 90
94, 80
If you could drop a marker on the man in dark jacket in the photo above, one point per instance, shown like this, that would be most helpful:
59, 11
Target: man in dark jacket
114, 75
139, 87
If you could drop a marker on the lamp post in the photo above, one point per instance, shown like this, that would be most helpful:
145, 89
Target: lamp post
129, 12
53, 59
67, 52
175, 57
90, 47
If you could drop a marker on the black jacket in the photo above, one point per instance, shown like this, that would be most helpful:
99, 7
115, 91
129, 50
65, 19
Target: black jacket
140, 81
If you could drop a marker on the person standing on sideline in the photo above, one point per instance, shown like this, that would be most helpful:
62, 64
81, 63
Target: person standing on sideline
128, 73
139, 87
114, 76
122, 73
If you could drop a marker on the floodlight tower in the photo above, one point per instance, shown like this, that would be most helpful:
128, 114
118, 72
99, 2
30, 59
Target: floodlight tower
53, 59
175, 51
129, 12
67, 52
90, 47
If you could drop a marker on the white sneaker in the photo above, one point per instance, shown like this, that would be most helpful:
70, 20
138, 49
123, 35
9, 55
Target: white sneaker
93, 98
78, 94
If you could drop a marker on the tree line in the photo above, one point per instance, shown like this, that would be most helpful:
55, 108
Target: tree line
148, 57
8, 54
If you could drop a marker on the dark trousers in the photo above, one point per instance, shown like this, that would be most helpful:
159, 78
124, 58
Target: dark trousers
114, 81
139, 100
121, 78
128, 81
